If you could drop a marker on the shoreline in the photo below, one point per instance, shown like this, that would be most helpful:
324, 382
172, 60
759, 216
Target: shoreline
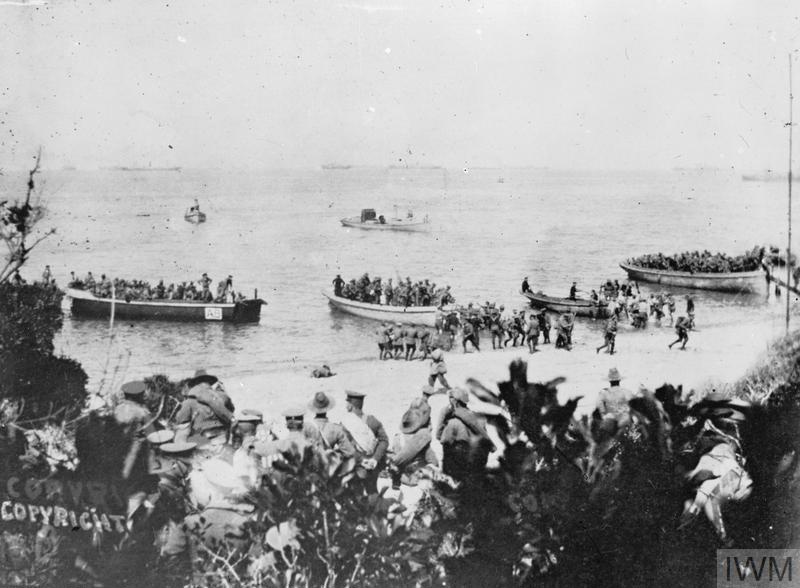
716, 355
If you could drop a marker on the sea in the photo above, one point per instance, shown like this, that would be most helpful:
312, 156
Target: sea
278, 233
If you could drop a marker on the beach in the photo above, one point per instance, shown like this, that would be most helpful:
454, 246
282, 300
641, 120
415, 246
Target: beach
714, 356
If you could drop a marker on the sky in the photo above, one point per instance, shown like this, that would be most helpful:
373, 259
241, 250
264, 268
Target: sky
291, 84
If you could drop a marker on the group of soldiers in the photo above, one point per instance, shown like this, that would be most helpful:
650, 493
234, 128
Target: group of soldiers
404, 293
208, 456
702, 261
199, 291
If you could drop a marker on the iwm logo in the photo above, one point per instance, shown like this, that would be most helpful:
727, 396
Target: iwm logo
751, 568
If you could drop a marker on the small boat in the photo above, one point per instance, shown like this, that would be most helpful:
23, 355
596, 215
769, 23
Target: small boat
86, 304
194, 216
751, 281
371, 221
415, 315
580, 306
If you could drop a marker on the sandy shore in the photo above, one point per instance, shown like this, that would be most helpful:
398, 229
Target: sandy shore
714, 355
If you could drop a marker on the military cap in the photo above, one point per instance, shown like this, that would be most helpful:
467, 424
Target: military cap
249, 416
134, 388
160, 437
179, 448
295, 412
427, 390
355, 394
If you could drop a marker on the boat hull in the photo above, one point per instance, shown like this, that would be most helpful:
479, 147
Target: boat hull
728, 282
195, 218
84, 304
580, 307
415, 315
389, 225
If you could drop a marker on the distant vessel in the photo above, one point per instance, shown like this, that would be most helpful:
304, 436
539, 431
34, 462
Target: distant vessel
193, 215
335, 166
148, 169
768, 176
369, 220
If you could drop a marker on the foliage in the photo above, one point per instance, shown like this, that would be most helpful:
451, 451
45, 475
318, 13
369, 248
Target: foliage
30, 316
18, 222
319, 527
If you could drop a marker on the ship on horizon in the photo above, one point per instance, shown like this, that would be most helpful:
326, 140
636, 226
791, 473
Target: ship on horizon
335, 166
137, 169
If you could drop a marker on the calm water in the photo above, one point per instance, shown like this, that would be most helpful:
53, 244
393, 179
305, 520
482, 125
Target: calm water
279, 232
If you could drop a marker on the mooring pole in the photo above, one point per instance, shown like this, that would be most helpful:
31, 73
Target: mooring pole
789, 220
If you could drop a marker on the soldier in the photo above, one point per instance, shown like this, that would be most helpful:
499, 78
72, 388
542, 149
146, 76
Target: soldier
331, 435
411, 449
206, 413
469, 334
423, 342
136, 422
544, 326
338, 284
682, 329
612, 402
246, 461
610, 335
410, 342
169, 510
532, 332
465, 444
370, 439
47, 275
223, 517
438, 369
525, 286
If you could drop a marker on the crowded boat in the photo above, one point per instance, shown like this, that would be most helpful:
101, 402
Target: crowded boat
701, 261
141, 290
400, 293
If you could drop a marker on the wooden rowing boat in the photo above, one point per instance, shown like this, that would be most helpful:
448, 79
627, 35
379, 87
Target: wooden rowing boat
415, 315
579, 306
724, 282
368, 220
85, 304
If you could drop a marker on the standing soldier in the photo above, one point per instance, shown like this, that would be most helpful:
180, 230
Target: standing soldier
47, 275
532, 332
423, 342
371, 441
670, 307
544, 326
331, 435
409, 342
682, 329
438, 369
610, 334
468, 334
496, 328
136, 422
338, 284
